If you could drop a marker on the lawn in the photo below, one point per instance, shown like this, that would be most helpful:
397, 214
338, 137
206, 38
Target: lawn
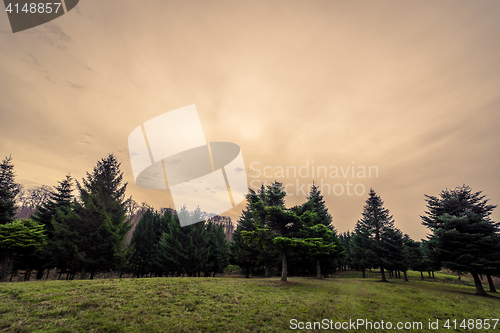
234, 304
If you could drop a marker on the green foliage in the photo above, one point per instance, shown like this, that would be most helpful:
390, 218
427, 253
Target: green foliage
463, 236
19, 239
300, 233
196, 248
22, 235
373, 234
59, 198
8, 191
144, 243
91, 236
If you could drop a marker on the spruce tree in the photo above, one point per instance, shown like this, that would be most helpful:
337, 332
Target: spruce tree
171, 253
361, 249
96, 228
218, 257
394, 244
373, 228
463, 236
8, 191
20, 237
59, 198
243, 254
143, 244
323, 244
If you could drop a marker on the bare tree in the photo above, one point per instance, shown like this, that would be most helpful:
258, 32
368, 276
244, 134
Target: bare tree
226, 223
132, 207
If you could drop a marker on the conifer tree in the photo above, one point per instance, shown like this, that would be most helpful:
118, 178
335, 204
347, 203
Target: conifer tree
171, 253
243, 254
325, 246
463, 236
218, 257
59, 198
143, 244
361, 249
373, 228
8, 191
20, 237
95, 230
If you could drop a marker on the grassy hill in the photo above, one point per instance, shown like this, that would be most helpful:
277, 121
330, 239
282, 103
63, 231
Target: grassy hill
236, 304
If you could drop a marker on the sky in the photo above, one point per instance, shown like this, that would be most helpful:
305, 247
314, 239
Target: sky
410, 89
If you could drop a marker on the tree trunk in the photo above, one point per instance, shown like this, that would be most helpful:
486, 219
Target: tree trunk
266, 270
283, 268
92, 275
406, 276
382, 271
39, 273
432, 274
318, 269
429, 272
364, 275
4, 266
490, 283
479, 286
247, 272
422, 275
48, 271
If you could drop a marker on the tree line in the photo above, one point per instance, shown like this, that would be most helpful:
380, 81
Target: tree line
462, 238
86, 234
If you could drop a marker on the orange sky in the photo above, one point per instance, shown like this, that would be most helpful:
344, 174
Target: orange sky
409, 87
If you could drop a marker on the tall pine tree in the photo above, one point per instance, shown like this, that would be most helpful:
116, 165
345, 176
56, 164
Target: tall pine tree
8, 191
372, 228
59, 198
95, 230
463, 236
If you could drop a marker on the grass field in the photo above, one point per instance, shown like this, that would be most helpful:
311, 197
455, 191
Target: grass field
234, 304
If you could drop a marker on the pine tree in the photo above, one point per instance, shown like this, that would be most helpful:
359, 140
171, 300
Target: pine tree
316, 203
59, 198
361, 249
243, 254
346, 261
373, 228
20, 237
8, 191
171, 253
143, 243
324, 246
415, 254
463, 236
218, 257
276, 229
394, 244
185, 249
96, 228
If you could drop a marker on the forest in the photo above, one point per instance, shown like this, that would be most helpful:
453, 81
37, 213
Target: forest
99, 229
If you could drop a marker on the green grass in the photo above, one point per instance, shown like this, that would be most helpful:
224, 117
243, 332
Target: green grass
231, 304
